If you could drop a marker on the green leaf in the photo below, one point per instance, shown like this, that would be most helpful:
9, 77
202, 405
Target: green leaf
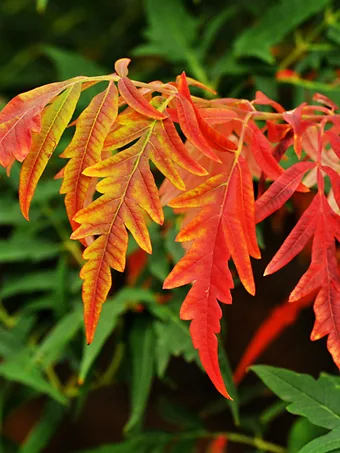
212, 27
21, 368
301, 433
70, 64
62, 333
168, 37
333, 33
158, 263
172, 339
142, 343
9, 343
318, 401
112, 309
43, 431
30, 250
172, 334
175, 249
145, 443
10, 212
328, 443
35, 281
276, 22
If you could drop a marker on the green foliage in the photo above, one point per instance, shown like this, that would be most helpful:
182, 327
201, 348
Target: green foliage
141, 342
274, 25
316, 400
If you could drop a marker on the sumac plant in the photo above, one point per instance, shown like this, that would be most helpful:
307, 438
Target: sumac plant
209, 150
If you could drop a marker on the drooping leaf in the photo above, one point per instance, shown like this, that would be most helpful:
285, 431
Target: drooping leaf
129, 190
207, 266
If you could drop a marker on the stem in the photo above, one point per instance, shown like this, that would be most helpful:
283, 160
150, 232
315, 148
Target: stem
303, 45
107, 377
236, 438
53, 378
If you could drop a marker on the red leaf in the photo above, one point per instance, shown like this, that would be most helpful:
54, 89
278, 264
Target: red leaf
277, 131
294, 118
322, 99
137, 101
334, 140
281, 190
190, 127
263, 153
262, 99
297, 239
222, 228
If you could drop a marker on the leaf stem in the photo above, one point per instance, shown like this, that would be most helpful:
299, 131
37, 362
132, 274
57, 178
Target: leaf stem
239, 438
304, 44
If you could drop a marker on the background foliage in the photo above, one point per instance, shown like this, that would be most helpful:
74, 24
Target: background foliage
56, 393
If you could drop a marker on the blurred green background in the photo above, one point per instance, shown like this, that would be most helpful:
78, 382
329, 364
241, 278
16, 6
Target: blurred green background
287, 49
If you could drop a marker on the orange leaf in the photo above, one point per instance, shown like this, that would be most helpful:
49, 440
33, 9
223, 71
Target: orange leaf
21, 116
128, 190
54, 121
121, 66
190, 127
137, 101
86, 147
220, 230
